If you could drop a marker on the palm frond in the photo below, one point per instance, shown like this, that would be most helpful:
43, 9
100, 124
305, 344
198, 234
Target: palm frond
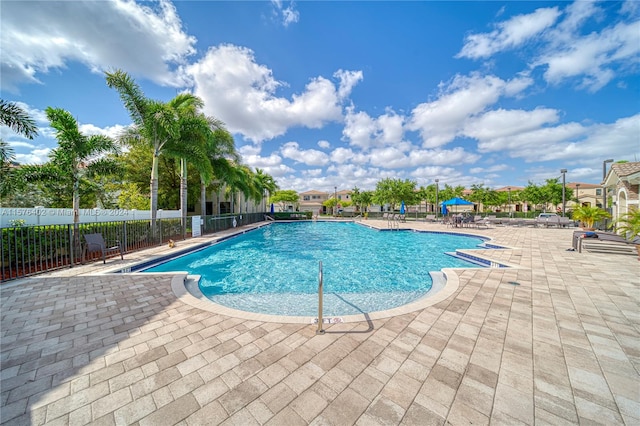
130, 94
14, 117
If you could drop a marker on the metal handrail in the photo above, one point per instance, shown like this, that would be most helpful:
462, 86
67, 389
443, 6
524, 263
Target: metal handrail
320, 285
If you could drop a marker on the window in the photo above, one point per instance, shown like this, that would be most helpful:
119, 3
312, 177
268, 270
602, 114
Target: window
599, 191
306, 198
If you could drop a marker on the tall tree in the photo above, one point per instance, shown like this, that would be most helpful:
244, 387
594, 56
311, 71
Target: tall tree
428, 195
221, 153
284, 197
17, 119
265, 183
77, 157
154, 122
394, 191
190, 143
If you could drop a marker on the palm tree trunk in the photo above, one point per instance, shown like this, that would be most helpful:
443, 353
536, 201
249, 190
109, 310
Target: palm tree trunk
203, 198
76, 201
76, 218
183, 196
154, 195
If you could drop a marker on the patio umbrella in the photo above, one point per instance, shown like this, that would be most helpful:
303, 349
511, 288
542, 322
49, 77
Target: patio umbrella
402, 207
444, 210
272, 208
457, 202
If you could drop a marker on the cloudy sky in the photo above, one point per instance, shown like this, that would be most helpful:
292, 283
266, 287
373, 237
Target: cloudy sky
324, 94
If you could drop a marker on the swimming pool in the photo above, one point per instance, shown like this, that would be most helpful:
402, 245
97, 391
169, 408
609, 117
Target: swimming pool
274, 269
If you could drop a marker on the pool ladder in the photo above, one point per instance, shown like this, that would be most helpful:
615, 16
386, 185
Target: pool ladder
320, 290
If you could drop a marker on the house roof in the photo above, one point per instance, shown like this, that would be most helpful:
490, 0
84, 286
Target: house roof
572, 185
626, 171
314, 192
513, 188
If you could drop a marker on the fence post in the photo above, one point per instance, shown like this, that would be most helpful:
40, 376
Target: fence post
124, 235
71, 246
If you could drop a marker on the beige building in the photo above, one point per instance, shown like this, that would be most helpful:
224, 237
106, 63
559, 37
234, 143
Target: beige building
584, 194
312, 200
622, 186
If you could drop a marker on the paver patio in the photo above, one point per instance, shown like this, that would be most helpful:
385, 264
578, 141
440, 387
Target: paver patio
554, 341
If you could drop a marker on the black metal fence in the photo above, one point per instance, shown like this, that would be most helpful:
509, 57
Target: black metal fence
29, 250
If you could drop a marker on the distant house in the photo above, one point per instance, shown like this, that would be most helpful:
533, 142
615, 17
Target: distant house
622, 186
584, 194
312, 200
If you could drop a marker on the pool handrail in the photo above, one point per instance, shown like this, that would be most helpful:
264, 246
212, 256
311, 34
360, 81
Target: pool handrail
320, 289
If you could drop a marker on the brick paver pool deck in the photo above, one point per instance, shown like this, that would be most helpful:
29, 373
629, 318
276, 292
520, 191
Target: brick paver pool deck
554, 341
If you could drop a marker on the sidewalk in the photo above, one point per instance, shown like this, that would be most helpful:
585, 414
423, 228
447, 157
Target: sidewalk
555, 341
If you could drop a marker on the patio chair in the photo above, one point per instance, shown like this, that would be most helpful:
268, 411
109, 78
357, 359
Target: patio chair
95, 243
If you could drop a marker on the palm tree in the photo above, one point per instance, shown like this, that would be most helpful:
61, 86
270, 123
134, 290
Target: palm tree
265, 183
166, 127
7, 157
588, 215
153, 121
241, 180
76, 158
221, 153
190, 146
14, 117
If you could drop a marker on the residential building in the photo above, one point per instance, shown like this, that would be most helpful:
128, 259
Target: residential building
312, 201
622, 186
584, 194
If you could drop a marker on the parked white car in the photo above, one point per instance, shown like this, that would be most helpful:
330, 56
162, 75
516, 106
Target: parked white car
543, 216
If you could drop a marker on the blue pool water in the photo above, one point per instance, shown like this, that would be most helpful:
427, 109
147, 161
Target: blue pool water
274, 269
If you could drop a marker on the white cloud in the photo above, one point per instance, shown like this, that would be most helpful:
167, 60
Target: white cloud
251, 149
348, 80
509, 34
441, 120
388, 158
365, 132
492, 169
19, 144
288, 15
271, 165
111, 131
426, 175
359, 127
567, 48
312, 172
393, 158
242, 93
324, 144
592, 58
37, 156
572, 142
502, 123
310, 157
102, 35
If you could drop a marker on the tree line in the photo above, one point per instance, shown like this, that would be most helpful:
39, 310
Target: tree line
392, 192
170, 154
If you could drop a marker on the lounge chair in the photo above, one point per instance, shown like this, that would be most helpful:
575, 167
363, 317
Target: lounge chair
606, 242
430, 218
95, 243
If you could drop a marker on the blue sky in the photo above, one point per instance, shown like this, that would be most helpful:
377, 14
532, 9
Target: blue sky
324, 94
